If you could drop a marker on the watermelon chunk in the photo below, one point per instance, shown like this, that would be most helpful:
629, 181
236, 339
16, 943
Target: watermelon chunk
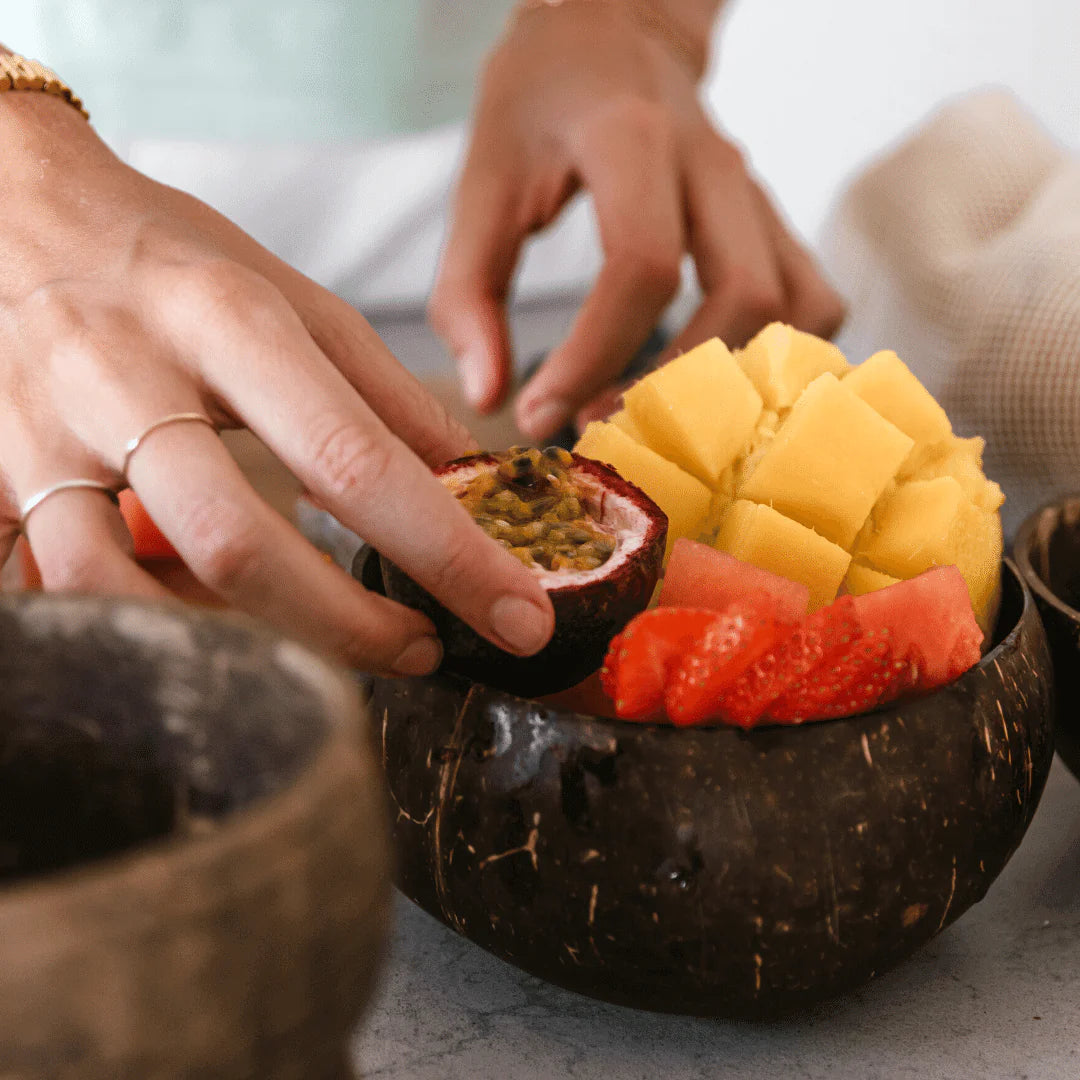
930, 620
699, 576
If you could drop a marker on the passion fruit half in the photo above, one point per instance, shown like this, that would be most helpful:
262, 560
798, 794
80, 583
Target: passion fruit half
594, 541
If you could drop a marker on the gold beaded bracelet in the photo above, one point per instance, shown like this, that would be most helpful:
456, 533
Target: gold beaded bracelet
648, 19
19, 73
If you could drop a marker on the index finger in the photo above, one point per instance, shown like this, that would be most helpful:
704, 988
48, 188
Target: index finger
302, 407
632, 174
468, 303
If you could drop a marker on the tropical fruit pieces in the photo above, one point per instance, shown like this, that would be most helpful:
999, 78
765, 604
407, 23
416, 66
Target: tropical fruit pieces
829, 462
686, 501
745, 664
675, 408
782, 361
841, 478
700, 576
763, 536
886, 384
927, 523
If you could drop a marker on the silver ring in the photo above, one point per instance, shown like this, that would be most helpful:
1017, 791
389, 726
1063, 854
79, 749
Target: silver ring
173, 418
39, 497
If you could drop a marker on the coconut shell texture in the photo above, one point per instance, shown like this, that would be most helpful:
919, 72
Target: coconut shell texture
709, 870
193, 845
1047, 552
587, 616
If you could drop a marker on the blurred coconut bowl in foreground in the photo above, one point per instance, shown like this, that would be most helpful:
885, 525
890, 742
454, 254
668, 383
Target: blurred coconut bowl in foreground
1047, 551
710, 870
194, 859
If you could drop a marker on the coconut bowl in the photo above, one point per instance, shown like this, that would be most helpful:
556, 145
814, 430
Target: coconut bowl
1047, 552
194, 851
713, 871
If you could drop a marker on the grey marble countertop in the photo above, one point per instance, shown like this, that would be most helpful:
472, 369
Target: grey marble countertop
995, 997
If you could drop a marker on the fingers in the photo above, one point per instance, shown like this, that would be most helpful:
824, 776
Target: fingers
399, 398
733, 249
81, 545
812, 304
303, 409
251, 557
752, 269
468, 303
197, 292
631, 172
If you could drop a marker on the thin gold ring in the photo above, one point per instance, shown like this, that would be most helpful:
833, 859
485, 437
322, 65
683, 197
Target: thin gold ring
173, 418
39, 497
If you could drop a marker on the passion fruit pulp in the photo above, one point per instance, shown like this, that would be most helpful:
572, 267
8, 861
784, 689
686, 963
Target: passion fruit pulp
594, 541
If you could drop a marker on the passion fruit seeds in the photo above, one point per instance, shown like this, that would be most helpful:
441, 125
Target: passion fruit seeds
530, 504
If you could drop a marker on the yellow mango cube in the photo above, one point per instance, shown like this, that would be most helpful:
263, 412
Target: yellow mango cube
698, 411
927, 523
762, 536
829, 462
962, 460
622, 419
888, 386
686, 501
782, 361
863, 579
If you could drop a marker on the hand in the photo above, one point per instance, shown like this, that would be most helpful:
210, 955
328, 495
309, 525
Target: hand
580, 96
123, 301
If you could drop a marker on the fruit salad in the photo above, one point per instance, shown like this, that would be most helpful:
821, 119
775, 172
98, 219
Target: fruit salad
833, 544
843, 478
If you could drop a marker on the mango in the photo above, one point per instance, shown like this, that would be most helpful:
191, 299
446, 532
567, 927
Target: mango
926, 523
829, 462
686, 501
863, 579
962, 460
763, 536
698, 411
622, 419
782, 361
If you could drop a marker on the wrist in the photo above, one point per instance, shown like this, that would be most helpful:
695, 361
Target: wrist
684, 27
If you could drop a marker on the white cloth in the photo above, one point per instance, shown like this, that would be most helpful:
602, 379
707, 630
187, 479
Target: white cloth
960, 249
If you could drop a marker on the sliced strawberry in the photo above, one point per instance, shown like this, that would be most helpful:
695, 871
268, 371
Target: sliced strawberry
741, 634
861, 676
811, 642
638, 660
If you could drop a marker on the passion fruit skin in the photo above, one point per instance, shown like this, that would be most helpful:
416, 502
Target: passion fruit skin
588, 614
714, 871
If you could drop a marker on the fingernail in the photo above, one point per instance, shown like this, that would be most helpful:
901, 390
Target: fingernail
470, 366
419, 657
523, 625
544, 418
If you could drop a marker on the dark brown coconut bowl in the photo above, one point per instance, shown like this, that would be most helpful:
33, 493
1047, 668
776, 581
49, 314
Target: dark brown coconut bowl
714, 871
1047, 552
194, 856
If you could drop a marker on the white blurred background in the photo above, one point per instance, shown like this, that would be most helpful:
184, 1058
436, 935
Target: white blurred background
813, 89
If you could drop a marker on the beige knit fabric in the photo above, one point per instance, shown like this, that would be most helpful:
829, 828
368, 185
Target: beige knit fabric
961, 250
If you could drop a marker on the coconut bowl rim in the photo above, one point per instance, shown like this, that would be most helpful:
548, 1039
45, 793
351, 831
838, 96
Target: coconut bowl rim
563, 714
1022, 545
239, 827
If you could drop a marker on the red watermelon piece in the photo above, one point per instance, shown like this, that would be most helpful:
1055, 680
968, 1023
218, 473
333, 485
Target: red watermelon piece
699, 576
930, 620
